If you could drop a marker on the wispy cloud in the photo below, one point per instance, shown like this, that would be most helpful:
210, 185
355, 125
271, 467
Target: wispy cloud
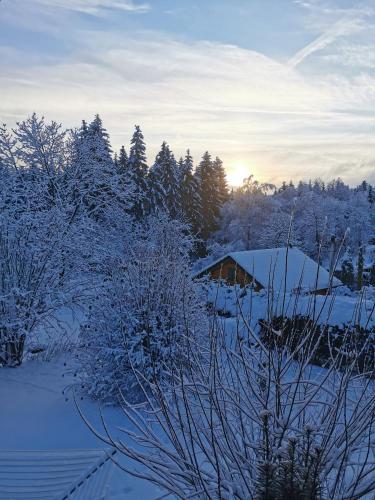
284, 120
233, 101
343, 27
96, 7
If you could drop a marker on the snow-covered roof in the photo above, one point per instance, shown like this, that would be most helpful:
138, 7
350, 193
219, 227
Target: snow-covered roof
38, 475
269, 267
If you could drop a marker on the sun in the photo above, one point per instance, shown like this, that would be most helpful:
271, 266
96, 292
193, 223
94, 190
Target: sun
237, 173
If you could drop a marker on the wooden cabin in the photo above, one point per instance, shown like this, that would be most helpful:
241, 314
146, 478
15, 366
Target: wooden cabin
276, 269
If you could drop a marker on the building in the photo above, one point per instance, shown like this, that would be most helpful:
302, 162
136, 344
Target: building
55, 474
277, 269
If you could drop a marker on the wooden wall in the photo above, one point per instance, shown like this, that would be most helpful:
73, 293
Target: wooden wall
232, 273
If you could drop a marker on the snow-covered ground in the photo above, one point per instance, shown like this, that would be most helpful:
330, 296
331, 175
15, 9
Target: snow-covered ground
334, 310
36, 415
38, 411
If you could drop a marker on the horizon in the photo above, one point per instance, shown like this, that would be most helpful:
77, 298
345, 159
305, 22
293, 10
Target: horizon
281, 90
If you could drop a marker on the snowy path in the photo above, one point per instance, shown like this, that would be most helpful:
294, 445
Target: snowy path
35, 415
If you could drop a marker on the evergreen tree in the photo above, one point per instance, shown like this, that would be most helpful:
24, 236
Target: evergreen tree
191, 201
93, 179
205, 175
164, 183
347, 273
221, 184
123, 161
137, 167
370, 196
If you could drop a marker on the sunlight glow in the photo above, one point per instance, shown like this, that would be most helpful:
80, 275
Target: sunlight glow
237, 173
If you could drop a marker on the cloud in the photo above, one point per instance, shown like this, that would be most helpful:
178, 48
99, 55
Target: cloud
235, 102
358, 56
95, 7
341, 28
282, 120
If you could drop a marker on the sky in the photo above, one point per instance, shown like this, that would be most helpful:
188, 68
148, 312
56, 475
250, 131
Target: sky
281, 89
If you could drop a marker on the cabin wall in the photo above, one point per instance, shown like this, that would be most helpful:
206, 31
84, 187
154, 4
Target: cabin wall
229, 271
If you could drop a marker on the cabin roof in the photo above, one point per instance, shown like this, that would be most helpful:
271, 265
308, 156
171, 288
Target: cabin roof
38, 475
267, 267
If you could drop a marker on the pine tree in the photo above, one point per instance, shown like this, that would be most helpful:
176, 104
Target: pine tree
93, 178
191, 201
205, 175
347, 273
221, 184
123, 162
164, 183
137, 166
370, 196
214, 192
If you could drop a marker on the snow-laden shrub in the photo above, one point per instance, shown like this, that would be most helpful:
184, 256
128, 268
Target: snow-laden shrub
252, 422
36, 267
352, 341
141, 316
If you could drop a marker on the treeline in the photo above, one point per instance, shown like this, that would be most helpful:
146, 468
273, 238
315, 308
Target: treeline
331, 222
42, 165
80, 168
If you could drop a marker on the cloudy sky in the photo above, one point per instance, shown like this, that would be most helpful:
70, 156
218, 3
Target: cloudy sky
278, 88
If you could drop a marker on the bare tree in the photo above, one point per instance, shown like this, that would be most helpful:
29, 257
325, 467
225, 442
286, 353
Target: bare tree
255, 420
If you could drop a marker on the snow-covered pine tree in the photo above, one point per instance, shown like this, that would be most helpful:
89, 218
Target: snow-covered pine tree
156, 194
191, 201
137, 167
164, 183
205, 175
222, 192
370, 196
94, 182
122, 161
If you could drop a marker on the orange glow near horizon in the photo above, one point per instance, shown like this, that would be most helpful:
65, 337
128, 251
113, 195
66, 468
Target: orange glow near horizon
237, 172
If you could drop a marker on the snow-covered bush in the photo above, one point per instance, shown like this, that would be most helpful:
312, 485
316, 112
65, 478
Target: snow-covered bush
142, 314
252, 422
350, 340
36, 266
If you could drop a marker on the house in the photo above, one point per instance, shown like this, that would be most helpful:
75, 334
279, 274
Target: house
278, 269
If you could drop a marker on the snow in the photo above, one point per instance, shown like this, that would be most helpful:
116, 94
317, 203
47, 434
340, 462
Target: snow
333, 310
269, 267
40, 475
369, 257
36, 415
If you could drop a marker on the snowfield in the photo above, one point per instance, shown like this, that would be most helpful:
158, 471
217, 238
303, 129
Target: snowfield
36, 415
